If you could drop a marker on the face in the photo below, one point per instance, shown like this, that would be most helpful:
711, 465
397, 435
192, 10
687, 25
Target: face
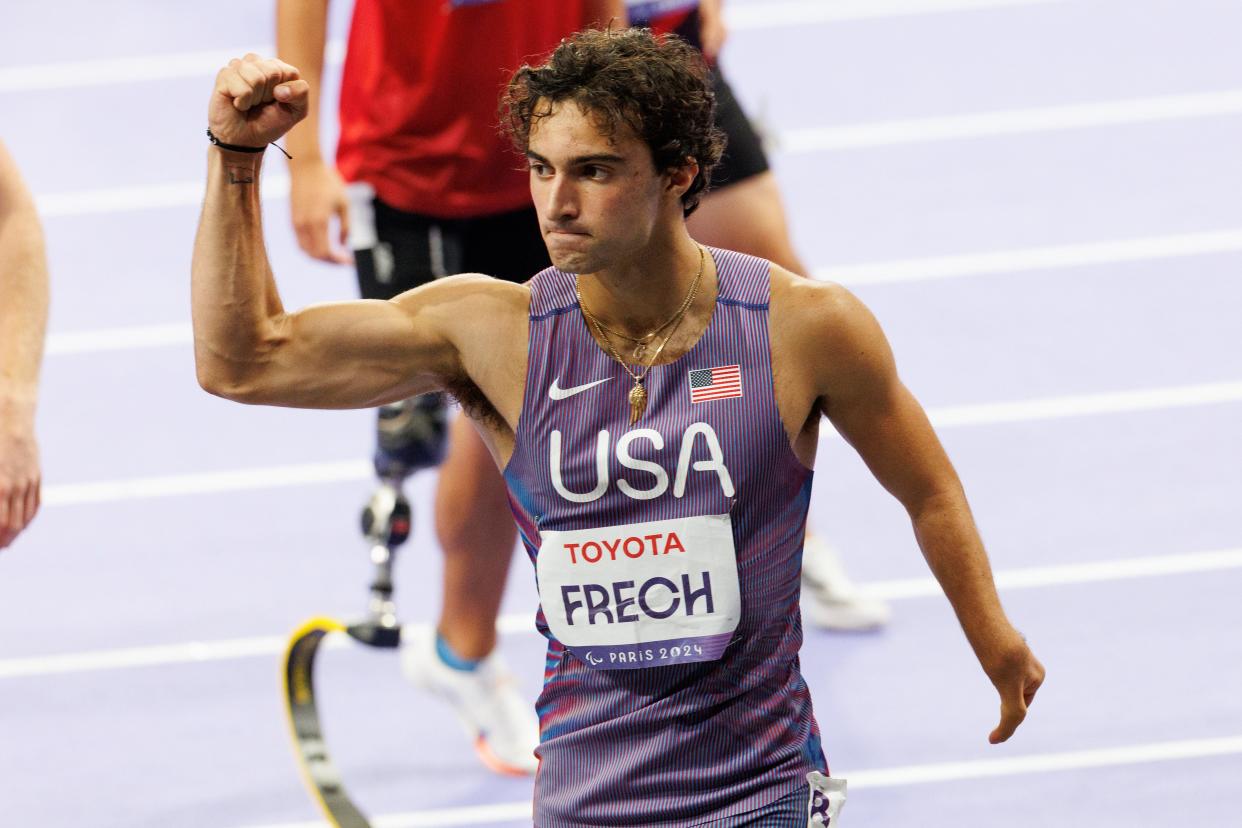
600, 200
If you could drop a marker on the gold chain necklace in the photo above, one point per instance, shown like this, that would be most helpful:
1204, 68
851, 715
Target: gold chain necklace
638, 394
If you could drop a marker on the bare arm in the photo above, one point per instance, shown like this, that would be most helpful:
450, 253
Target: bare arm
317, 193
343, 355
863, 397
712, 29
603, 12
23, 320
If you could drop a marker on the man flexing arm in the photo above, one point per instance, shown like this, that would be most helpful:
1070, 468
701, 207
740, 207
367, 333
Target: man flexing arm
851, 377
340, 355
23, 318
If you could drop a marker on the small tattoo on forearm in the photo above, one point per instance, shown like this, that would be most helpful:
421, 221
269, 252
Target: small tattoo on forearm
240, 175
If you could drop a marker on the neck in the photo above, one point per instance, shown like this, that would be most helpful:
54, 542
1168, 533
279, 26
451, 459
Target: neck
639, 294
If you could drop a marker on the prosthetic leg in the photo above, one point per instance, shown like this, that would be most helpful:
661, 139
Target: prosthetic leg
411, 437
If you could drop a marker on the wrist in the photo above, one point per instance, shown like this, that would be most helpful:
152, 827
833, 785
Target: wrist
17, 410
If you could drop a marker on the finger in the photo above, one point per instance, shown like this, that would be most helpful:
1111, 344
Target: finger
12, 522
343, 255
313, 238
229, 84
288, 71
253, 77
295, 94
33, 497
1033, 685
1012, 714
6, 520
274, 75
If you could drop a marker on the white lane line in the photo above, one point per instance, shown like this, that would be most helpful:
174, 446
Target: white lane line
1016, 260
195, 652
813, 139
202, 64
269, 477
772, 15
857, 275
896, 777
234, 480
1046, 762
205, 63
1011, 122
1081, 573
119, 339
1116, 402
156, 197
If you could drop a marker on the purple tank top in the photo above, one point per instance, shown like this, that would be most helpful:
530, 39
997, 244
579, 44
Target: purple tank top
669, 578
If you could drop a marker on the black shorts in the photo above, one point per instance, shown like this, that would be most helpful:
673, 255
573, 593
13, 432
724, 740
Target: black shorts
743, 156
409, 249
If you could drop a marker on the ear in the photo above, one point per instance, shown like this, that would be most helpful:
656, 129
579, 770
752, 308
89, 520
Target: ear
679, 179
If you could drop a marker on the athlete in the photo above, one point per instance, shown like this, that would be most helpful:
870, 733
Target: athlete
23, 320
743, 212
434, 189
655, 408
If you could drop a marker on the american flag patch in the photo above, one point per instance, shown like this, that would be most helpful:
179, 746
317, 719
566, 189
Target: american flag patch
715, 383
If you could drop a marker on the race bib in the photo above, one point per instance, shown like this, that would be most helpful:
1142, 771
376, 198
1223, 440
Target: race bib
642, 594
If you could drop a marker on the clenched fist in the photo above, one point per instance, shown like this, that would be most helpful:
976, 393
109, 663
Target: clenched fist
256, 101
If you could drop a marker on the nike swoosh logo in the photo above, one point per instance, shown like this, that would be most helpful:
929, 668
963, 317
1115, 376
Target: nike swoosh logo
558, 393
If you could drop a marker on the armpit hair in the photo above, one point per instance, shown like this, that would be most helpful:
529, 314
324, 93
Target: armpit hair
461, 390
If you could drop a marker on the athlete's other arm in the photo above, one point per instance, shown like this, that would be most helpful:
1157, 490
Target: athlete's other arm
316, 190
342, 355
602, 13
23, 319
712, 29
859, 390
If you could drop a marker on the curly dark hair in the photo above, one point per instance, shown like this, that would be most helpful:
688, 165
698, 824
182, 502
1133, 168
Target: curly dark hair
658, 86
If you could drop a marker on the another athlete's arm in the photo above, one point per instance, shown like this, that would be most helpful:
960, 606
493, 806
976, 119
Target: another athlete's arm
602, 13
860, 392
343, 355
316, 190
712, 29
23, 319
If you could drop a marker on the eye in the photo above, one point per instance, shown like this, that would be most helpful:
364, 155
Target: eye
541, 170
594, 173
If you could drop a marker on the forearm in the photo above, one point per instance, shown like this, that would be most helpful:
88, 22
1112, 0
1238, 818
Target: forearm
23, 299
301, 35
950, 542
604, 12
234, 302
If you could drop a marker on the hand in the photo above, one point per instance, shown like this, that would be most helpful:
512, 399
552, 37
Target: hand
712, 30
1017, 674
256, 101
317, 193
19, 483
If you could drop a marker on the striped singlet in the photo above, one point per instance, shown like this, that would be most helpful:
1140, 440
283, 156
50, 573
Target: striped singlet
667, 555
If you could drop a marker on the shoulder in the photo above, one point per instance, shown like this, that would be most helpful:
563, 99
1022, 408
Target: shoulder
467, 292
828, 330
820, 312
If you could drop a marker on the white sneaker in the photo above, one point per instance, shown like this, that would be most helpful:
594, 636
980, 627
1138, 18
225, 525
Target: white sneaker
829, 598
501, 723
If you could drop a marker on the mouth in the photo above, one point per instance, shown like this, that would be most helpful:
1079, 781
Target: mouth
563, 231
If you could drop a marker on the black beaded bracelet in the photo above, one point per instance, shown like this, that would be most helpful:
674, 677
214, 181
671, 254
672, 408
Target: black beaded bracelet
211, 136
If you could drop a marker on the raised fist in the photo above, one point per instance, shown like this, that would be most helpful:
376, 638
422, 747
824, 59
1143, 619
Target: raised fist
256, 101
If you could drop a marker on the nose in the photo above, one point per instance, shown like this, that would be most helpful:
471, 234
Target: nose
561, 199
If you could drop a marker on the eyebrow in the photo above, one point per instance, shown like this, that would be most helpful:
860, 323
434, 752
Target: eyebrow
580, 160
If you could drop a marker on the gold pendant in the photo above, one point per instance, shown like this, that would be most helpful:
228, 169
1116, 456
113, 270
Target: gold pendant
640, 351
638, 402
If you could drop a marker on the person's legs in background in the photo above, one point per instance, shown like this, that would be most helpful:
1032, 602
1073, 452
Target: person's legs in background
394, 252
743, 212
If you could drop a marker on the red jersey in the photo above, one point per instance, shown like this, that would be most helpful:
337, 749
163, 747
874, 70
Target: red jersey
420, 94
